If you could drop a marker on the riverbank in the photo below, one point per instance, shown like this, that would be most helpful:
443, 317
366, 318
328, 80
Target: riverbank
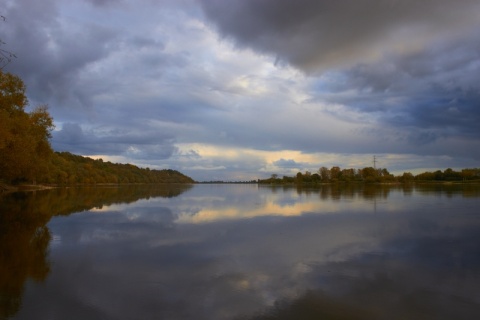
4, 188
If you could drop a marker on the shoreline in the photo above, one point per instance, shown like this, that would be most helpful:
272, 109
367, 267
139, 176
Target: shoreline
7, 188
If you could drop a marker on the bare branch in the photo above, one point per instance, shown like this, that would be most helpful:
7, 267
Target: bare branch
5, 55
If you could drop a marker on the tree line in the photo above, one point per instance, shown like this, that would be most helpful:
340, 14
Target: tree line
68, 169
372, 175
26, 155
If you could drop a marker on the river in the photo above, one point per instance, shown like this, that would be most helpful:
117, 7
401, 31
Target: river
241, 252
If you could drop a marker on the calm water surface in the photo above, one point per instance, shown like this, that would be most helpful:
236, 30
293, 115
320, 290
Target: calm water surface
241, 252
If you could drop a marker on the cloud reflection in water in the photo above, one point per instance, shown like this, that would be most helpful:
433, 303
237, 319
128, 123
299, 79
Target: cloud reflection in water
262, 254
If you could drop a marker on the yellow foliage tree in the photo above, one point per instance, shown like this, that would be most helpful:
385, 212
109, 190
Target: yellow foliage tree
24, 146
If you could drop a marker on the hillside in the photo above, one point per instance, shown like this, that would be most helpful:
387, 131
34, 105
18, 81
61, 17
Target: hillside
67, 168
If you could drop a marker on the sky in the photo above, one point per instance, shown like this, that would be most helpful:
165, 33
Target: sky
243, 89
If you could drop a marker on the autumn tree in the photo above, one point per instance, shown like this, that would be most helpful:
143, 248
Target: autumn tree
348, 174
406, 177
324, 173
335, 173
370, 174
24, 145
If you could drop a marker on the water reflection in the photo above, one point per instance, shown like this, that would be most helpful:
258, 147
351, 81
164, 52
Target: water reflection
25, 237
371, 191
248, 252
288, 201
24, 240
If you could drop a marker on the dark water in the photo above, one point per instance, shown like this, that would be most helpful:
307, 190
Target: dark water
241, 252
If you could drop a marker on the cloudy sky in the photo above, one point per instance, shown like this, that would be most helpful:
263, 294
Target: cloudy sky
241, 89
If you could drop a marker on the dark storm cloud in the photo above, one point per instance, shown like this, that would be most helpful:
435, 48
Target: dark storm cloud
312, 33
435, 89
144, 145
411, 65
51, 53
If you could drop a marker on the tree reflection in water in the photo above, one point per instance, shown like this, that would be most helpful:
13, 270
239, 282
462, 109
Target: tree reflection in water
25, 237
24, 240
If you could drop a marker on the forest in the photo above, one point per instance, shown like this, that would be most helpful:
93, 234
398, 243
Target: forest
374, 175
26, 156
67, 169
